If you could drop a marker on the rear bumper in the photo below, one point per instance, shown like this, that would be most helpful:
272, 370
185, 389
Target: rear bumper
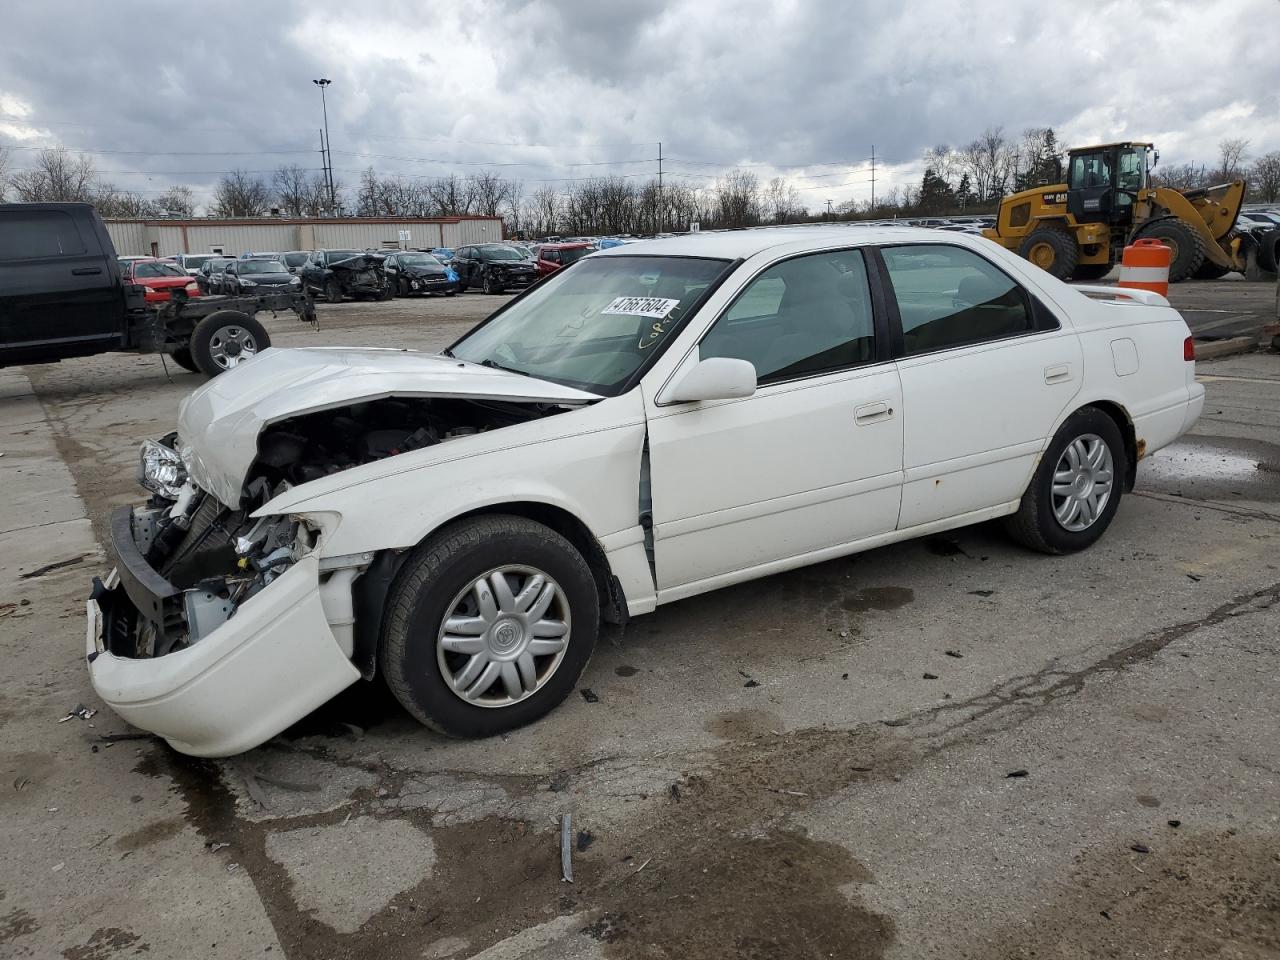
273, 662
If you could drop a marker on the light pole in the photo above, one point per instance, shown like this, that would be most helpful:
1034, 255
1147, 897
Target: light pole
322, 83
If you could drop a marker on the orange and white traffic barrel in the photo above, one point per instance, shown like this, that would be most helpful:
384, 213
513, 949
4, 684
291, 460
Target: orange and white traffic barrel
1145, 265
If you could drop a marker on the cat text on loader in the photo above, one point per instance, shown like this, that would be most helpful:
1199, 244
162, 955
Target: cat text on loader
1078, 229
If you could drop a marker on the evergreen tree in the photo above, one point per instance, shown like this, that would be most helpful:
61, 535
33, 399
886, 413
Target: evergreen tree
936, 195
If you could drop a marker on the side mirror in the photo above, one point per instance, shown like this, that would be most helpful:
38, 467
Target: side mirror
716, 378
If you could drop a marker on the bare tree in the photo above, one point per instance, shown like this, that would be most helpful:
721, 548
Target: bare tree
177, 202
738, 199
451, 196
1264, 177
294, 189
782, 201
988, 161
240, 194
4, 170
56, 175
1231, 154
543, 211
122, 204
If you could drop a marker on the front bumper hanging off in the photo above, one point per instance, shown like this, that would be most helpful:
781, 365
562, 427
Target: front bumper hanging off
273, 662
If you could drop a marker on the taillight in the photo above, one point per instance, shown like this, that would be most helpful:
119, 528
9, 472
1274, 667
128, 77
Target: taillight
1188, 349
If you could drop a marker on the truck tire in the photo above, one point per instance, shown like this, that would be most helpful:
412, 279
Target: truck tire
1091, 271
1053, 249
182, 357
1269, 250
224, 339
1184, 242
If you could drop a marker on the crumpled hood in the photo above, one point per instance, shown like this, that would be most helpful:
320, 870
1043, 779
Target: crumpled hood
219, 424
355, 264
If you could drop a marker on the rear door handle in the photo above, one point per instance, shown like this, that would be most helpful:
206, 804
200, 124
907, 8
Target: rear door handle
872, 412
85, 271
1058, 373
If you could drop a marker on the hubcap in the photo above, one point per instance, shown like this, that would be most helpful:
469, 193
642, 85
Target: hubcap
1042, 256
230, 346
503, 636
1082, 482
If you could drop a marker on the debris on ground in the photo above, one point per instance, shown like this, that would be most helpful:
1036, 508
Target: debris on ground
752, 683
80, 711
1175, 824
50, 567
930, 676
675, 792
215, 846
566, 847
589, 695
1139, 848
1194, 577
113, 738
21, 783
1016, 774
895, 723
585, 839
844, 676
559, 780
954, 653
981, 593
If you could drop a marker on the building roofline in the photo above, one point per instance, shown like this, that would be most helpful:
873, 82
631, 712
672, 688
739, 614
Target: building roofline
290, 221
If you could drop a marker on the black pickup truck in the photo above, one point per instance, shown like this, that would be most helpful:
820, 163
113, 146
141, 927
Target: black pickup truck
61, 295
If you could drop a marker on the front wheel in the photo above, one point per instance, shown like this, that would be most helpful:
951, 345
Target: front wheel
333, 292
226, 339
1053, 249
491, 285
1076, 489
489, 626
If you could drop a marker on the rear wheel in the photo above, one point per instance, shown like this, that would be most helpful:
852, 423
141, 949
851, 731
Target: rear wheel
182, 357
489, 626
1269, 251
1052, 249
1186, 248
1075, 491
226, 339
1091, 271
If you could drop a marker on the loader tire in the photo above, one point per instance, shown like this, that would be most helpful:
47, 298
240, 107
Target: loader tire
1184, 242
1091, 271
1052, 249
1269, 250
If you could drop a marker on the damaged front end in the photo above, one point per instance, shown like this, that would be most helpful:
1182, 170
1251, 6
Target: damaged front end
185, 639
360, 277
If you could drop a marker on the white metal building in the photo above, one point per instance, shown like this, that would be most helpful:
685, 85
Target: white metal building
164, 238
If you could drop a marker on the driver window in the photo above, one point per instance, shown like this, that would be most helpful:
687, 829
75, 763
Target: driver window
801, 317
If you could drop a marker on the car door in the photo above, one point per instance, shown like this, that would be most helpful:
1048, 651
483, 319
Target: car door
391, 266
987, 369
812, 461
231, 278
56, 284
463, 265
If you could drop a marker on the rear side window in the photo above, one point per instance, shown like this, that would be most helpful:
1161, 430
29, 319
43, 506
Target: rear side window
951, 297
26, 235
801, 317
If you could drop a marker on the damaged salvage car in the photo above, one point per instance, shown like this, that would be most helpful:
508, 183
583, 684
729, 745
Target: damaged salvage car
639, 428
338, 274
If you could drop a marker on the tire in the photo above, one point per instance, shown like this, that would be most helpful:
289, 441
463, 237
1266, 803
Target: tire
489, 285
388, 292
224, 339
1091, 271
1186, 244
332, 291
1053, 249
1036, 524
1269, 250
1211, 271
182, 357
440, 574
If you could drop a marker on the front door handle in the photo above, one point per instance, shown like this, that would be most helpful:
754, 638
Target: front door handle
85, 271
1058, 373
872, 412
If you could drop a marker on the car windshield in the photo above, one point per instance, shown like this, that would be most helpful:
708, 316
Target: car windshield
295, 259
501, 253
158, 269
194, 261
593, 326
418, 260
261, 266
333, 256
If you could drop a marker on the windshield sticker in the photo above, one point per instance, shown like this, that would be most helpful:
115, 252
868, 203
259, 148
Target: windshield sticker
655, 307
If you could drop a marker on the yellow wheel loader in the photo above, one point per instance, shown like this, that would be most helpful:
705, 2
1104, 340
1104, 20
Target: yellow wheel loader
1079, 229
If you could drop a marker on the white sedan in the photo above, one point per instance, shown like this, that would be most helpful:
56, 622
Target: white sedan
654, 422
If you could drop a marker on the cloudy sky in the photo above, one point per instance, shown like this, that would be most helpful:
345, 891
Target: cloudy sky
549, 91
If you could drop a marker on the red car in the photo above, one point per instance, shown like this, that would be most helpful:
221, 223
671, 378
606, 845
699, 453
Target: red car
550, 257
158, 278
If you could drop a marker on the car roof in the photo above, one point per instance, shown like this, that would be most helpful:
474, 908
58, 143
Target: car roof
735, 244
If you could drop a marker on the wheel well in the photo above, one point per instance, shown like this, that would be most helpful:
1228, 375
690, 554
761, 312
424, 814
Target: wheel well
1125, 425
613, 605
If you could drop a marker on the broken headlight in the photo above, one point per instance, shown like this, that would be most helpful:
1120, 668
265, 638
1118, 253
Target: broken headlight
161, 470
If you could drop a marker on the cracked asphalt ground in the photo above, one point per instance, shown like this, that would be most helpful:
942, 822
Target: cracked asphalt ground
947, 748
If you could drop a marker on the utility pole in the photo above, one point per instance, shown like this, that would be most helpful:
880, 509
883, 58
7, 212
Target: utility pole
659, 219
873, 177
322, 83
828, 209
324, 162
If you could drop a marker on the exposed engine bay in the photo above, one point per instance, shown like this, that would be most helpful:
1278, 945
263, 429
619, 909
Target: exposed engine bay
197, 560
314, 445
